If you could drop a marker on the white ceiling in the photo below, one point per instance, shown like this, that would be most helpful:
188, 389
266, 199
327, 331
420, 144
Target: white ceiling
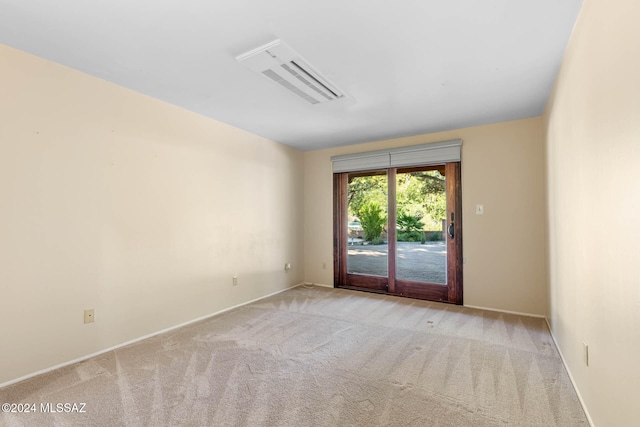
410, 66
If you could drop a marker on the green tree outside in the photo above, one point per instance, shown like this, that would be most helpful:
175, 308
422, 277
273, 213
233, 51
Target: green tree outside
420, 201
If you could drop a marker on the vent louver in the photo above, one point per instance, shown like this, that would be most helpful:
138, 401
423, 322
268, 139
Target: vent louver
281, 64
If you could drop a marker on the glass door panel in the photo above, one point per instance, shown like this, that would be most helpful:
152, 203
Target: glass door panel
421, 209
367, 202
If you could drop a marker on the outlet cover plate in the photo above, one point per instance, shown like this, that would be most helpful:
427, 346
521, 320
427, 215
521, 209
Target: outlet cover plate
89, 315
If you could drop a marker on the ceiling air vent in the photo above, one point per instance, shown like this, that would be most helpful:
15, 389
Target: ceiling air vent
278, 62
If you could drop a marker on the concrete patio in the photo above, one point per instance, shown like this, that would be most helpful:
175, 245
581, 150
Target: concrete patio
421, 262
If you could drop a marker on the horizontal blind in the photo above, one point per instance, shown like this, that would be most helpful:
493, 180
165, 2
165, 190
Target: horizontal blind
415, 155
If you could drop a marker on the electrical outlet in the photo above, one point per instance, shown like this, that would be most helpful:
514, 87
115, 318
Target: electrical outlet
88, 315
235, 281
479, 210
287, 266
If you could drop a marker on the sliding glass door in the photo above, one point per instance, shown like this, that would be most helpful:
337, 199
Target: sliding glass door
399, 231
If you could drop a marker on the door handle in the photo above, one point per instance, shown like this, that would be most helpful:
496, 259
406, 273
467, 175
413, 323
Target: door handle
451, 232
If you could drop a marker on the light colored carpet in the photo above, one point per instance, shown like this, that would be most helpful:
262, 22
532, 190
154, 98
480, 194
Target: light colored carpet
321, 357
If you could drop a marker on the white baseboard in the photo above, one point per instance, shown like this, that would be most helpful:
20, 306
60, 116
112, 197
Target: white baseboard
135, 340
566, 367
318, 284
506, 311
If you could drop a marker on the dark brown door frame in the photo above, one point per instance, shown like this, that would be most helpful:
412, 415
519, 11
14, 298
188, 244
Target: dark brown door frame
340, 230
454, 245
451, 293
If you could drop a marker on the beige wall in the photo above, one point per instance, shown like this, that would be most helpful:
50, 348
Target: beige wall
592, 126
125, 204
503, 169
